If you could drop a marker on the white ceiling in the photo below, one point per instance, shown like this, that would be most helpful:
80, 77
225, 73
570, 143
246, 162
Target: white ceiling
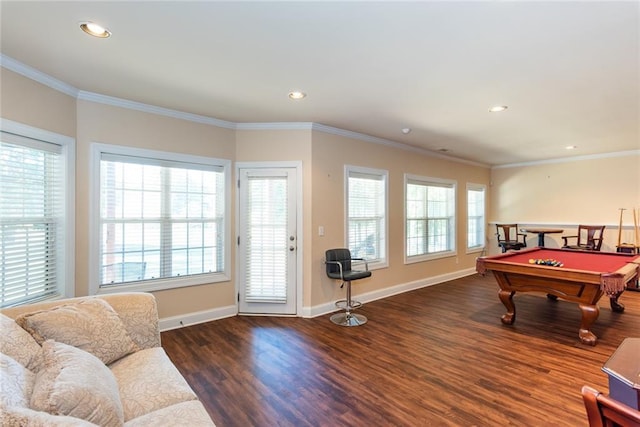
569, 71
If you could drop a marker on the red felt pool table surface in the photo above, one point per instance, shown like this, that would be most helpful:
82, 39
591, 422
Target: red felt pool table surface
584, 278
597, 262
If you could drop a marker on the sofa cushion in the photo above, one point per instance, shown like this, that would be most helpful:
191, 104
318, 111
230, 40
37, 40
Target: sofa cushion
190, 414
91, 325
149, 381
75, 383
16, 383
18, 344
139, 314
20, 417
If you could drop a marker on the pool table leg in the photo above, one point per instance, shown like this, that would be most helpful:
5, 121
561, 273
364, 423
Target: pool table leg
615, 305
589, 315
507, 299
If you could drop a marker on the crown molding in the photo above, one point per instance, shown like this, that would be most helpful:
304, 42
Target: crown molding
375, 140
152, 109
570, 159
275, 126
318, 127
47, 80
38, 76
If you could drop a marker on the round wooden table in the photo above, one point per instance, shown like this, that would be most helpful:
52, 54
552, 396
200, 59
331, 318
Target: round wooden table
541, 232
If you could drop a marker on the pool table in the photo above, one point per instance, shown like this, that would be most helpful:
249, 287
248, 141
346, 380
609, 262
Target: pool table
584, 278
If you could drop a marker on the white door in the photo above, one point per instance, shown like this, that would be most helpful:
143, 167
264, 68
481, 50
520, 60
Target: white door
267, 242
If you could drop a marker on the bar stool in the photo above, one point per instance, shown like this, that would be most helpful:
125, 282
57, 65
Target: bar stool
338, 264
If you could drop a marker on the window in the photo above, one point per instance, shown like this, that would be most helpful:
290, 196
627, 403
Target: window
475, 216
366, 204
36, 214
162, 219
430, 217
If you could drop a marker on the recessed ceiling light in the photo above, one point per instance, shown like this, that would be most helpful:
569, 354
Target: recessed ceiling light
95, 30
571, 147
498, 108
406, 131
297, 95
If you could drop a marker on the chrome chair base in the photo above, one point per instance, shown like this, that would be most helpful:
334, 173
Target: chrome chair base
348, 319
343, 304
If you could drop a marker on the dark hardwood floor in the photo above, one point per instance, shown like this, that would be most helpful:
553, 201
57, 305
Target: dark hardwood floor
437, 356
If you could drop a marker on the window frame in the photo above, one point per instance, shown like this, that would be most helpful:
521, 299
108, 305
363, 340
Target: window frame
383, 244
65, 285
95, 287
439, 182
479, 248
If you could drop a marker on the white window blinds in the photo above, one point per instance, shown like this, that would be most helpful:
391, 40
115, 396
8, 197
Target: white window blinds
430, 217
475, 217
366, 213
32, 234
266, 231
159, 219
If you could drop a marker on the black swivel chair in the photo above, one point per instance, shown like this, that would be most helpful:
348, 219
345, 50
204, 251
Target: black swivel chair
338, 263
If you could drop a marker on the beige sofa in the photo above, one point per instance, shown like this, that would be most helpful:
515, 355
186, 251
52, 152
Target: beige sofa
91, 361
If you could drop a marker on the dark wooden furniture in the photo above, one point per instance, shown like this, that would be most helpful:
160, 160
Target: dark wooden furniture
589, 238
623, 369
628, 248
604, 411
584, 278
633, 248
541, 233
508, 236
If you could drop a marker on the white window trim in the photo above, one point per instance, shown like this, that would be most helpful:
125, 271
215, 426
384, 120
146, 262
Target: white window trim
384, 262
444, 254
97, 149
476, 249
66, 283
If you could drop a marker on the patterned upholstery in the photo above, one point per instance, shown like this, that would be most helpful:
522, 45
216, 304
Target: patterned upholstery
150, 389
164, 385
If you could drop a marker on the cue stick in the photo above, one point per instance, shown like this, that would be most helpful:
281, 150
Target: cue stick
620, 226
636, 219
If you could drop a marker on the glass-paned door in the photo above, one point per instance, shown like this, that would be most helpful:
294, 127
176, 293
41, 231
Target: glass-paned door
267, 241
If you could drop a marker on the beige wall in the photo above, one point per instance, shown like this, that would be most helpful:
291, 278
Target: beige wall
588, 191
558, 194
28, 102
285, 146
118, 126
330, 155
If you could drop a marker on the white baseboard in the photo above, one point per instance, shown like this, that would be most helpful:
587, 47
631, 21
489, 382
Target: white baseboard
329, 307
189, 319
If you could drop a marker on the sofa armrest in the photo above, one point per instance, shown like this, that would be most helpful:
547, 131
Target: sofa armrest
137, 310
